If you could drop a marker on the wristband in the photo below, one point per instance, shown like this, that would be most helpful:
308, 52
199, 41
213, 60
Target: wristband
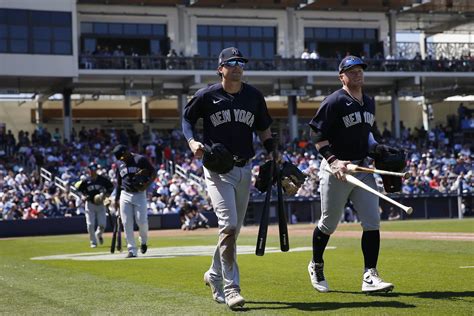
269, 144
327, 154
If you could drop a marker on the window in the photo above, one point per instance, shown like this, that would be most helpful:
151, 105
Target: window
332, 34
35, 32
253, 41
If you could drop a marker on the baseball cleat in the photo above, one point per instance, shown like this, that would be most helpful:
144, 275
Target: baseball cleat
216, 288
143, 248
373, 283
98, 236
234, 300
316, 274
93, 245
131, 255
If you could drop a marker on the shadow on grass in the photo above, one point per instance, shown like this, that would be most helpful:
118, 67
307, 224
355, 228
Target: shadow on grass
427, 294
321, 306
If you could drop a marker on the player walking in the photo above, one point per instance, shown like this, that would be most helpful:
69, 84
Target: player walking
134, 174
231, 111
95, 189
342, 128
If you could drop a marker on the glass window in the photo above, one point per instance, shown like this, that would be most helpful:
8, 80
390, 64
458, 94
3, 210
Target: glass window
256, 50
18, 31
155, 47
269, 32
62, 33
61, 18
203, 50
242, 31
268, 50
333, 33
346, 33
41, 18
144, 29
358, 34
3, 15
115, 28
3, 45
255, 31
215, 30
370, 34
228, 31
41, 32
229, 43
18, 46
41, 47
62, 47
202, 30
3, 31
308, 32
87, 28
100, 28
244, 47
18, 17
130, 29
216, 47
89, 45
320, 33
159, 29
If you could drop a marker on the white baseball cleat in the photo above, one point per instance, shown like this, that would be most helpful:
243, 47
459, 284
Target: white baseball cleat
234, 300
216, 288
316, 274
373, 283
93, 245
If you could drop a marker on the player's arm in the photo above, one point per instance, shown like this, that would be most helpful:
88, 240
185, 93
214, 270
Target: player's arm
191, 114
147, 169
267, 140
118, 189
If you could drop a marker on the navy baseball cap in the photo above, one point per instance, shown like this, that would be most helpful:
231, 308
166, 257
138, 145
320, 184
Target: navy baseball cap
231, 53
119, 151
349, 62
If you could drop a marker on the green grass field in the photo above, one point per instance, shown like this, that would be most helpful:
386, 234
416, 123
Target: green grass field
431, 277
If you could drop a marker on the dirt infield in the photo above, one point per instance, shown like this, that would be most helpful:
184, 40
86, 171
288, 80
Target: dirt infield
307, 230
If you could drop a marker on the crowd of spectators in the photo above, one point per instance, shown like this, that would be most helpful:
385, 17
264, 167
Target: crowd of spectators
437, 164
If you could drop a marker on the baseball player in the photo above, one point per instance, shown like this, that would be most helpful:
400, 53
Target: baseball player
134, 174
231, 112
95, 189
342, 128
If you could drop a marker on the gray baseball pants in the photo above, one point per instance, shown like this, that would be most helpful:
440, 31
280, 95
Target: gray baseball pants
95, 214
133, 205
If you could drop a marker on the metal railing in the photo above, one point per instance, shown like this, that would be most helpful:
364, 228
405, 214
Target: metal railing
274, 64
60, 183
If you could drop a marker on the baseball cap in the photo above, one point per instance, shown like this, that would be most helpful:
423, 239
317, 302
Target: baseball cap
119, 151
349, 62
231, 53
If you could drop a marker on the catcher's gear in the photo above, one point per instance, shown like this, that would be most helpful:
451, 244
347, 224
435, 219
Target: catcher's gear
390, 159
141, 180
264, 177
99, 199
291, 178
218, 158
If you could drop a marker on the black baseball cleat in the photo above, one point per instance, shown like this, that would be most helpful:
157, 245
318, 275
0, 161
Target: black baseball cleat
143, 248
131, 255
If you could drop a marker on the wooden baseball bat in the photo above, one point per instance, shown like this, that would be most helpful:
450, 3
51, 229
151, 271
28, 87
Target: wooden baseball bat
362, 185
263, 229
114, 234
356, 168
119, 233
282, 223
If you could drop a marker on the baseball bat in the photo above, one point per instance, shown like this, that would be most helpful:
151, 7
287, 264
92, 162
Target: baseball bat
114, 234
282, 224
263, 229
362, 185
119, 233
356, 168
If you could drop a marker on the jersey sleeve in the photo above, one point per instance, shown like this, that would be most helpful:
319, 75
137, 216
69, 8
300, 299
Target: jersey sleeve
192, 112
323, 119
263, 120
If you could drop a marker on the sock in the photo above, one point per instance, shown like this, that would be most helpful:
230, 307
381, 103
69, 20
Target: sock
370, 248
320, 240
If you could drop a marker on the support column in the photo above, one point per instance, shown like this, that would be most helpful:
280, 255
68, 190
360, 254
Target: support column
395, 113
67, 114
292, 117
182, 100
392, 30
145, 111
39, 111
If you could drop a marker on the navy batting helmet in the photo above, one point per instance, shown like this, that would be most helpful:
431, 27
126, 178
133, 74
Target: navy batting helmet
349, 62
119, 151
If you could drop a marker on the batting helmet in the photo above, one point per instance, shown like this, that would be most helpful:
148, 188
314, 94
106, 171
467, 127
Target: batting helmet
218, 158
119, 151
391, 159
349, 62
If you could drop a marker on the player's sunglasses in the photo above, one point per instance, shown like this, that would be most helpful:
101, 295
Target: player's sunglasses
234, 63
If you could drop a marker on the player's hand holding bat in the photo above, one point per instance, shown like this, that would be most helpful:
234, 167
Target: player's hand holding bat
339, 168
196, 147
